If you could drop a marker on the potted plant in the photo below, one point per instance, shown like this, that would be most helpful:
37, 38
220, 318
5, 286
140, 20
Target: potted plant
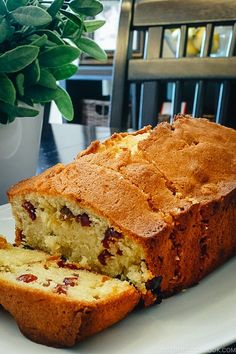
39, 41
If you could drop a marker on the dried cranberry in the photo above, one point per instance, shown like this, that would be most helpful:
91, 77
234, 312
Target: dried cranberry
83, 219
60, 289
63, 264
103, 256
31, 210
27, 278
105, 242
110, 236
71, 266
65, 213
119, 252
70, 281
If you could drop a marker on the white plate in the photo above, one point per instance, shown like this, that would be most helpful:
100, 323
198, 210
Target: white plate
196, 321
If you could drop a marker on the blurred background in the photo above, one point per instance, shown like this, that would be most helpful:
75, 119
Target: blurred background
91, 87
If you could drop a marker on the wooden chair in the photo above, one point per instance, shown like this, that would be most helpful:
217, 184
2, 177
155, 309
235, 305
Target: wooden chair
152, 70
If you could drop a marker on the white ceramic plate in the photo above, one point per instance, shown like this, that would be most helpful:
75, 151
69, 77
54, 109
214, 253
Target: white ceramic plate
196, 321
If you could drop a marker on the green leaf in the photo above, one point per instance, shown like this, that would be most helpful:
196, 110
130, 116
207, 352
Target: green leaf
14, 4
32, 37
20, 79
47, 79
70, 29
93, 25
50, 44
18, 58
77, 21
91, 48
55, 7
3, 9
41, 94
7, 89
11, 33
64, 72
16, 111
39, 41
86, 7
52, 36
32, 73
5, 30
64, 104
58, 56
31, 16
27, 101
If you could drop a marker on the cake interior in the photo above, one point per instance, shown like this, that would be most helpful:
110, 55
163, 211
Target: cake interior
59, 226
32, 269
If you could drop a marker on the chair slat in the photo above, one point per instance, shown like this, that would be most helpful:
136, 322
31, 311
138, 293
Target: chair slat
119, 102
199, 95
181, 51
222, 102
194, 12
177, 88
149, 91
155, 42
223, 98
232, 42
188, 68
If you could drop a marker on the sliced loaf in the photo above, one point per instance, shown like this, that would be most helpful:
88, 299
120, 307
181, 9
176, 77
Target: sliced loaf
57, 303
155, 207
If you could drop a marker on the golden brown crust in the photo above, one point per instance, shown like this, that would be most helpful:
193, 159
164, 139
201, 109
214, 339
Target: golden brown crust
175, 195
201, 238
58, 321
96, 145
196, 155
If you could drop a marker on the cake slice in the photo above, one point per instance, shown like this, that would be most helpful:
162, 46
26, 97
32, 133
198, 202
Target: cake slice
57, 303
155, 207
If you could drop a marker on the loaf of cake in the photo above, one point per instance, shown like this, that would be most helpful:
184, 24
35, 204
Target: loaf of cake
155, 207
57, 303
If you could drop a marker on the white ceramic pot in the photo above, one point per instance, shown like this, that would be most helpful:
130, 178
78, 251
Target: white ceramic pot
19, 150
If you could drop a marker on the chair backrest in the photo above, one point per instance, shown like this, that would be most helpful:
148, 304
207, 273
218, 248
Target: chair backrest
153, 18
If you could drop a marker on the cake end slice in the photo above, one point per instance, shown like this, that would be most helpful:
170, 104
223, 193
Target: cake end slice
56, 303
